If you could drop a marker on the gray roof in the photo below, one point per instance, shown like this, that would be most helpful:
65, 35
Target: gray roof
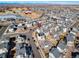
56, 52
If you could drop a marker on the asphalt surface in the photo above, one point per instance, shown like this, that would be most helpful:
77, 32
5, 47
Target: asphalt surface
34, 48
2, 30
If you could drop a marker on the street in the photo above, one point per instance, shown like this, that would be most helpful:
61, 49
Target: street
2, 31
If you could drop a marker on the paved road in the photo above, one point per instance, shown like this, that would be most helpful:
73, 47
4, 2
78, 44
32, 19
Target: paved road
2, 30
34, 48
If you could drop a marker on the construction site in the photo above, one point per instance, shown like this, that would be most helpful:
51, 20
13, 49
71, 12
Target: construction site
39, 32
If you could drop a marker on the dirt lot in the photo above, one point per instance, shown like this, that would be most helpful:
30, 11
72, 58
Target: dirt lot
33, 15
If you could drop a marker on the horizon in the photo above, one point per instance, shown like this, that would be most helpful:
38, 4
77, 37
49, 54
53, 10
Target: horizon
41, 2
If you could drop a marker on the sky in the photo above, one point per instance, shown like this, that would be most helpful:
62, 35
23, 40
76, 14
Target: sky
39, 2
